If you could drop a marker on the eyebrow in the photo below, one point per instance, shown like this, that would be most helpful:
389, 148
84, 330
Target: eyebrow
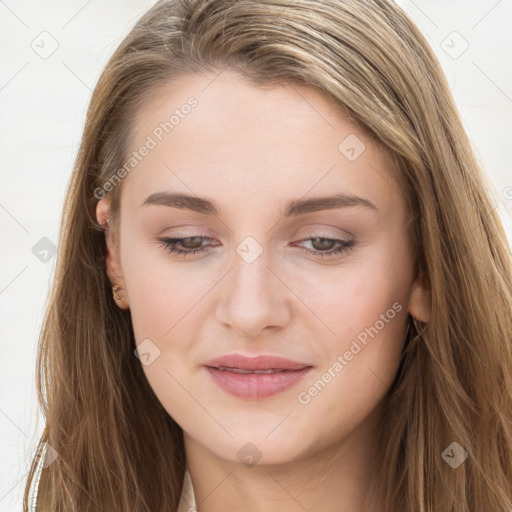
293, 208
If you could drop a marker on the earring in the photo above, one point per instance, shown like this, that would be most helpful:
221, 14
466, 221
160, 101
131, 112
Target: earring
115, 289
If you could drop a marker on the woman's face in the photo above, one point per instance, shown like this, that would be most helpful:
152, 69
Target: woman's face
301, 253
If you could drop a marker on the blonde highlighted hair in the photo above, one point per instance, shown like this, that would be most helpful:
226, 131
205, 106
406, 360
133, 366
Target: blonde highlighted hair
116, 443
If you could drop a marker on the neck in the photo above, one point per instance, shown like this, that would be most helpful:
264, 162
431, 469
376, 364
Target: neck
338, 477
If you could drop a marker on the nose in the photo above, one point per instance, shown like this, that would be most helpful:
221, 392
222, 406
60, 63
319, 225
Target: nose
253, 298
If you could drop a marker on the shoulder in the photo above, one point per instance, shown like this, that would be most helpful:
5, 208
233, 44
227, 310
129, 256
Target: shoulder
37, 501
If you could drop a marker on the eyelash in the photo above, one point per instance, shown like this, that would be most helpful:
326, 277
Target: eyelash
345, 246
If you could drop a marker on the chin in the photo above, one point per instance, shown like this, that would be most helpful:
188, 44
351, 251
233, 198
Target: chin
257, 447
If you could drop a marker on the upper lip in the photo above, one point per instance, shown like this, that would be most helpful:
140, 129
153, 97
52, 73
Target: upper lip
263, 362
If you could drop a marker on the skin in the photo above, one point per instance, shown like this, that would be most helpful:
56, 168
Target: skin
251, 150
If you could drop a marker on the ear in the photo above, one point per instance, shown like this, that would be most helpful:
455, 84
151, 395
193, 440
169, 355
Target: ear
114, 270
419, 299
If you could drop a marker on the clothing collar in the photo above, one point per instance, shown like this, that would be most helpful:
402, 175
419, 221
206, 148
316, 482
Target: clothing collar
187, 500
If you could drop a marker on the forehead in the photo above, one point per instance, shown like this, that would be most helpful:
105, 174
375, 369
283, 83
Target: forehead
221, 133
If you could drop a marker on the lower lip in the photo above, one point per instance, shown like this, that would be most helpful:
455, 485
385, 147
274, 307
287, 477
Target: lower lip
255, 386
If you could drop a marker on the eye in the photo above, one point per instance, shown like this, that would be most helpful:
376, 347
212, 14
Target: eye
328, 247
322, 247
184, 246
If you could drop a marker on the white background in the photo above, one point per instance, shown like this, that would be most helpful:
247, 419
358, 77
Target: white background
42, 111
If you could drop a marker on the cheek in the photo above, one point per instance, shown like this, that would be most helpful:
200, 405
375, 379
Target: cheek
367, 311
364, 305
163, 303
354, 296
161, 292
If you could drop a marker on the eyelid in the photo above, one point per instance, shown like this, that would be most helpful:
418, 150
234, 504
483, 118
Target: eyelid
315, 230
322, 234
341, 248
303, 238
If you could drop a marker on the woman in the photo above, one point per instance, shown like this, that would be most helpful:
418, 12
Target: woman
282, 283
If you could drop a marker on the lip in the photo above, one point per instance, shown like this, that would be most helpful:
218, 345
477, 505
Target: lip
263, 362
255, 378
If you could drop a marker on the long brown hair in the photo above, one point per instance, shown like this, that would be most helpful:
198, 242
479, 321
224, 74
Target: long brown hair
114, 439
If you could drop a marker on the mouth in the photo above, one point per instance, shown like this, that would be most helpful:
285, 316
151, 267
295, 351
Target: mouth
243, 370
255, 378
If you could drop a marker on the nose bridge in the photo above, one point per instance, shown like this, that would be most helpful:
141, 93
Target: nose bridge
251, 278
253, 298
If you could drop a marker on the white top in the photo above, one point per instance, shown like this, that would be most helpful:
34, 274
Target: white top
32, 498
187, 500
